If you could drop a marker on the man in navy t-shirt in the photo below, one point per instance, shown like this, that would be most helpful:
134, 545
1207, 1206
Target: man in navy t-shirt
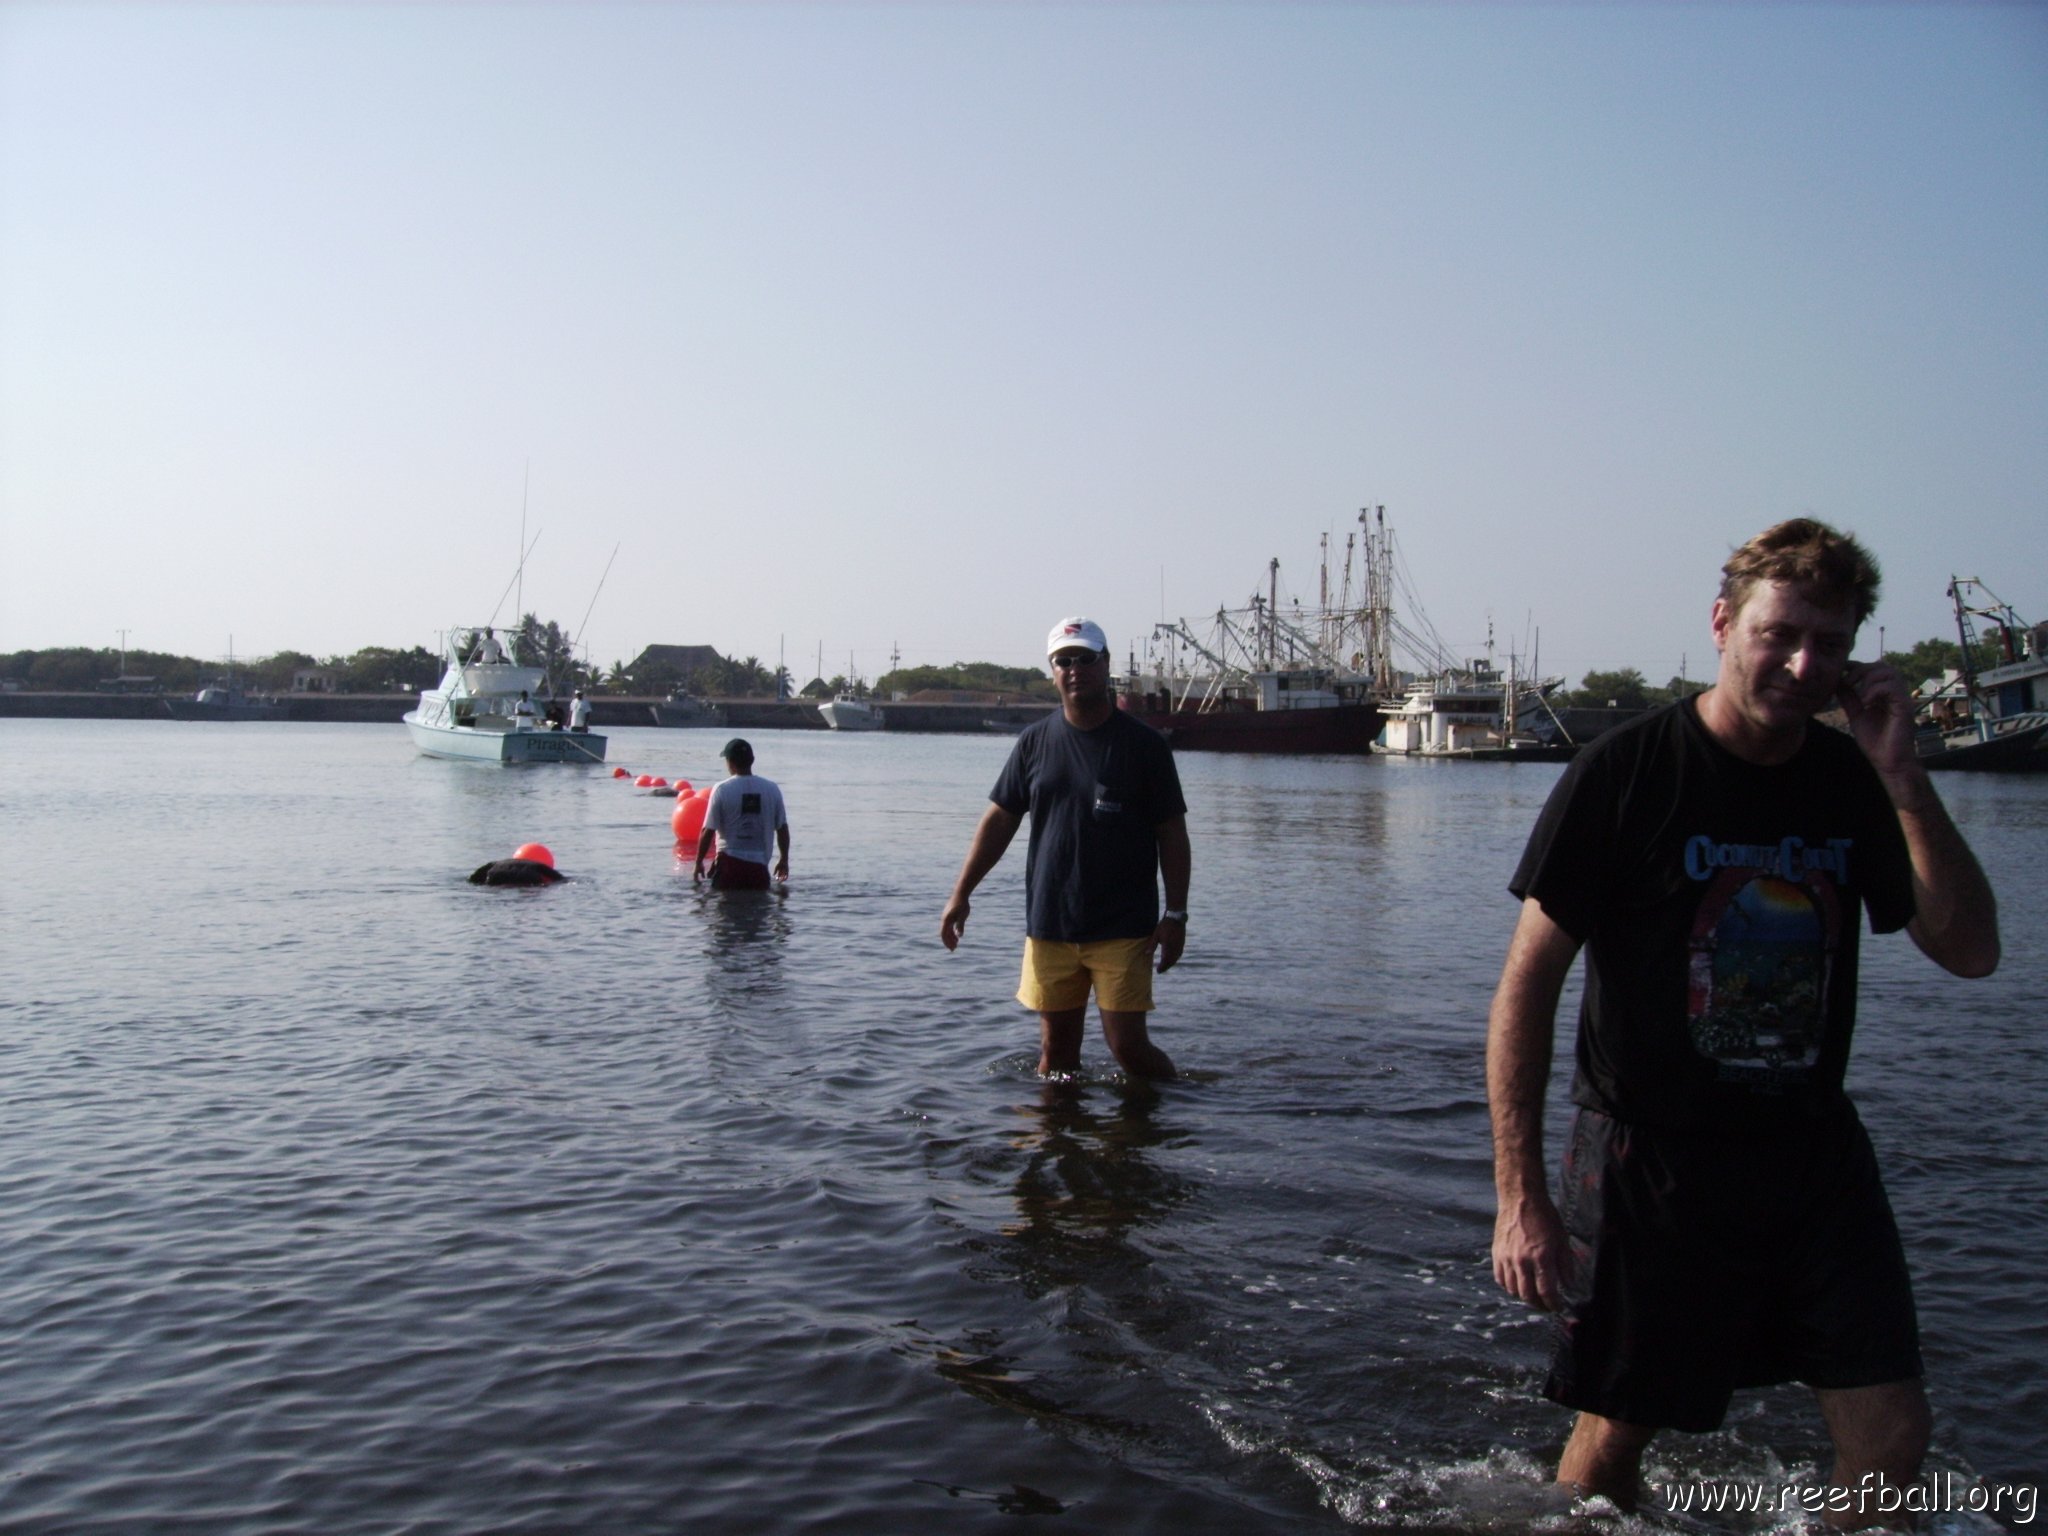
1107, 823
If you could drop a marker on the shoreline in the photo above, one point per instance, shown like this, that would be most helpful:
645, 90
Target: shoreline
606, 712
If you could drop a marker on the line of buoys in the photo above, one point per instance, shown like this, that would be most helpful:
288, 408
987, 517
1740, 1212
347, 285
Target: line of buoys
534, 863
655, 784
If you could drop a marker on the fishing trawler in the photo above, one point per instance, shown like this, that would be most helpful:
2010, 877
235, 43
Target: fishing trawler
1994, 719
1255, 680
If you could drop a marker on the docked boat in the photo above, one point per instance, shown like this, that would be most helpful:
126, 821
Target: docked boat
2015, 745
847, 713
1467, 714
683, 710
225, 700
1251, 680
474, 715
1286, 710
1992, 719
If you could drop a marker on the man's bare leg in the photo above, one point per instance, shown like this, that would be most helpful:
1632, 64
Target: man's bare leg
1880, 1434
1132, 1046
1605, 1457
1059, 1040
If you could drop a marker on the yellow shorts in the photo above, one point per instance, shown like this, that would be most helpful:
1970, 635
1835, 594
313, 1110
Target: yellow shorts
1057, 975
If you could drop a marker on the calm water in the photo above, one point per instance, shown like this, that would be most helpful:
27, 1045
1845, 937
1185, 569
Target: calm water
342, 1196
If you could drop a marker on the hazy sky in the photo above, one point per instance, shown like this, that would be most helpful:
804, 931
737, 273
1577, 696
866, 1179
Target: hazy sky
923, 325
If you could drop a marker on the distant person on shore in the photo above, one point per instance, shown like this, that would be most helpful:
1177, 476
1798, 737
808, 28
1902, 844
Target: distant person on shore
579, 713
746, 816
1723, 1223
1107, 824
488, 651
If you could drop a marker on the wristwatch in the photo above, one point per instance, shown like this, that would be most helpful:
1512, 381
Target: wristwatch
1178, 917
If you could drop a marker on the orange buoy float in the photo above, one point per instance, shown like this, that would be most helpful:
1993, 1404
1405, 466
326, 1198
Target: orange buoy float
618, 773
688, 821
644, 781
534, 853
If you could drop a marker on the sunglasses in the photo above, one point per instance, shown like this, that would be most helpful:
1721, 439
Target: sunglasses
1067, 661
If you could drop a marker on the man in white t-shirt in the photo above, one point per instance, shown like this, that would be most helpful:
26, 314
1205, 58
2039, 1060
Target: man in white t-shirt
579, 713
746, 817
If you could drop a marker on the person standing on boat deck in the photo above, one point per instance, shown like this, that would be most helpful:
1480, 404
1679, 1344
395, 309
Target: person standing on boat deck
1723, 1223
579, 712
1107, 823
488, 651
522, 713
746, 815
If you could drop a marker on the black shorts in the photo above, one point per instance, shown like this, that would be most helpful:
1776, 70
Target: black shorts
1704, 1262
734, 874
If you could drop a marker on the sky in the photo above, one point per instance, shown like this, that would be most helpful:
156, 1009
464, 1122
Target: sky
862, 330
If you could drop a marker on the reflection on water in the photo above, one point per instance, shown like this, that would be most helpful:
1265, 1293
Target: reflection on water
745, 936
1086, 1181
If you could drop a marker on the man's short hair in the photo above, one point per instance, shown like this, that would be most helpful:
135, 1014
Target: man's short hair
1827, 566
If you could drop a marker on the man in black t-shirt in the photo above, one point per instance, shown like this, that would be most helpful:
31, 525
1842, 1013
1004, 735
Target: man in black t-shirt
1107, 823
1722, 1221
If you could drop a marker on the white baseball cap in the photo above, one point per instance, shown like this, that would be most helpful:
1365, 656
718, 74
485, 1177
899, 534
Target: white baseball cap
1075, 635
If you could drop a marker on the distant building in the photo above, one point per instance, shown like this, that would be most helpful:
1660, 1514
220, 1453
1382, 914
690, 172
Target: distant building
126, 684
963, 696
313, 680
682, 660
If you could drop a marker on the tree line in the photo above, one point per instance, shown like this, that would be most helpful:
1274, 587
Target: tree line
382, 669
1627, 688
373, 669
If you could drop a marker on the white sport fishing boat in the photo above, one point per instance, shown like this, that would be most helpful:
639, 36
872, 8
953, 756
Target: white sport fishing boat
474, 714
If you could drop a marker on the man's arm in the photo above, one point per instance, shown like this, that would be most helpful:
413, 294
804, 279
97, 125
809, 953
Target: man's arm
782, 847
706, 839
1955, 915
992, 836
1176, 868
1528, 1236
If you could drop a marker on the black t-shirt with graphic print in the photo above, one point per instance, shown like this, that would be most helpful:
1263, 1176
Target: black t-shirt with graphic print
1720, 904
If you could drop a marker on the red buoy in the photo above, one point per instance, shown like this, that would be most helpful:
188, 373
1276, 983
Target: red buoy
688, 821
535, 853
645, 781
618, 773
